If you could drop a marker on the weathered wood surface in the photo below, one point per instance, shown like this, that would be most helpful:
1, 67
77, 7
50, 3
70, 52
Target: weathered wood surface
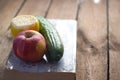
8, 10
114, 39
63, 9
98, 30
92, 41
35, 7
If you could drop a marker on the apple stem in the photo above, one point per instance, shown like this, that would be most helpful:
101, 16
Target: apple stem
28, 35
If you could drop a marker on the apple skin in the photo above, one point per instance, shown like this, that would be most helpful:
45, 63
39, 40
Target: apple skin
29, 46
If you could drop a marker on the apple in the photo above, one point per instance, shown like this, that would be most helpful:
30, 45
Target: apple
29, 46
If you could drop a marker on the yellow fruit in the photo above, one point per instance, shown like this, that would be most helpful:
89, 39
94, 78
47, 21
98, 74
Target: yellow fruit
24, 22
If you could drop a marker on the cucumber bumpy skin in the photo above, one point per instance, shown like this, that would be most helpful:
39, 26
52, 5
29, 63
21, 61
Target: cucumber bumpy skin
54, 45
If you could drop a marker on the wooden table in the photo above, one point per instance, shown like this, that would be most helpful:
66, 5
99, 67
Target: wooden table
98, 32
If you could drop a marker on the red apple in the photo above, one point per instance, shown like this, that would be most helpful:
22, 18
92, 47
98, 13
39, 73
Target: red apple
29, 45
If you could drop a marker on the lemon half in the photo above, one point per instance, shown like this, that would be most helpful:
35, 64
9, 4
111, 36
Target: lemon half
24, 22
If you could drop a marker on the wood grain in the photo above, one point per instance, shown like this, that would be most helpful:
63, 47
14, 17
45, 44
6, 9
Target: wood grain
35, 7
92, 41
8, 10
63, 9
114, 39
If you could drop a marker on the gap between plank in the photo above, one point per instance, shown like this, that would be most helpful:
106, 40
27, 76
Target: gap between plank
108, 53
78, 8
20, 7
49, 6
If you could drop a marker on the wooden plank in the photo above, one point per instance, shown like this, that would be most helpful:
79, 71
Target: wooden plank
92, 41
63, 9
8, 10
35, 7
114, 39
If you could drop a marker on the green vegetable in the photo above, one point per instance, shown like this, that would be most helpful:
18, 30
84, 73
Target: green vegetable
54, 44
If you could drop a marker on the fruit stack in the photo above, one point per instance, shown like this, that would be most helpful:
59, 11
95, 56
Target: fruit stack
35, 37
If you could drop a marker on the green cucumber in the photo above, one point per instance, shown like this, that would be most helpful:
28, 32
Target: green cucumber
54, 45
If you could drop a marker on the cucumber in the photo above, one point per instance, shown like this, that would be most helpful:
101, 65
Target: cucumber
54, 45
